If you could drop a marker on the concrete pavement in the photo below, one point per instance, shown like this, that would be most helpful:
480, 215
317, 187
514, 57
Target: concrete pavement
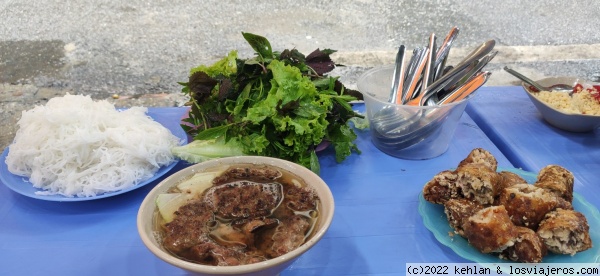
139, 50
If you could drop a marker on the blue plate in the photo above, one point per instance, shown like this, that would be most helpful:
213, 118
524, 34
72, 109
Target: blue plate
22, 185
435, 220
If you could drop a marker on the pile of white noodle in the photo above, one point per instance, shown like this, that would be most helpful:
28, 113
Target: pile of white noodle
75, 146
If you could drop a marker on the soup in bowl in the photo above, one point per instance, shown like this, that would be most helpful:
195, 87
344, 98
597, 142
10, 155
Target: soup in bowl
246, 215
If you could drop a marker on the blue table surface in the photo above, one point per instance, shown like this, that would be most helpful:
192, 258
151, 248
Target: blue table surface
515, 126
376, 229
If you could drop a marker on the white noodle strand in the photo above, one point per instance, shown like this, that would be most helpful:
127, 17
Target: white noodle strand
75, 146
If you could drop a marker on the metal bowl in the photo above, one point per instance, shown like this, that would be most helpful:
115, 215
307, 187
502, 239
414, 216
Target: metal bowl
566, 121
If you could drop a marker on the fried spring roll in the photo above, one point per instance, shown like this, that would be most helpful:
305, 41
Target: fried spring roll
458, 211
557, 180
480, 156
441, 188
527, 204
528, 248
490, 230
478, 182
565, 232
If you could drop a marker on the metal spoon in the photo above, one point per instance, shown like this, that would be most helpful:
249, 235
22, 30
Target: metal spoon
413, 76
464, 78
442, 53
466, 89
561, 87
398, 77
428, 74
453, 75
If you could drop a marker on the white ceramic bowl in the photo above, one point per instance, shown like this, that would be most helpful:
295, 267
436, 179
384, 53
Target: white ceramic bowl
565, 121
274, 266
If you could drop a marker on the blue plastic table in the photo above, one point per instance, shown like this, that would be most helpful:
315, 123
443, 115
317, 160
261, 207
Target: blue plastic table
376, 229
515, 126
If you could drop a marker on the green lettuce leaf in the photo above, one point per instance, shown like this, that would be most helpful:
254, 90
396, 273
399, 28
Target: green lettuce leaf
277, 104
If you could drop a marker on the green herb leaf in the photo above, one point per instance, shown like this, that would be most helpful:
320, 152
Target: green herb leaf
314, 163
276, 104
212, 133
202, 150
260, 44
320, 61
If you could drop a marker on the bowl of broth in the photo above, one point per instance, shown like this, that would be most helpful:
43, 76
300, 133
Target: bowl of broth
245, 215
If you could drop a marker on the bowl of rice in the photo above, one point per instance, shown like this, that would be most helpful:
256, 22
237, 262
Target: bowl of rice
579, 112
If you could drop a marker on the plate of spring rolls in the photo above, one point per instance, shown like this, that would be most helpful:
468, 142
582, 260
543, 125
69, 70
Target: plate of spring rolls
488, 214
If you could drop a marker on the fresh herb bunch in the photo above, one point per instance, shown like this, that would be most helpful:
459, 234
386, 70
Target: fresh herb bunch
277, 104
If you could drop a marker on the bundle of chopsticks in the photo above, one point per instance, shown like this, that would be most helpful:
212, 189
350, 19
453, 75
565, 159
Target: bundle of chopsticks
427, 80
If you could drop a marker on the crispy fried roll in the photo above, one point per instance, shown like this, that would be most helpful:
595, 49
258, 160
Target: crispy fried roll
441, 188
563, 204
558, 188
458, 211
527, 204
508, 179
480, 156
555, 172
478, 183
557, 180
505, 180
528, 248
490, 230
565, 232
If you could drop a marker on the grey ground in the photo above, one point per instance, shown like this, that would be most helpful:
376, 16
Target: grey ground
134, 52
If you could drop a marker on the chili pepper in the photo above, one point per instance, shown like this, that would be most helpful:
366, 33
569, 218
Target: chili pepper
533, 89
578, 87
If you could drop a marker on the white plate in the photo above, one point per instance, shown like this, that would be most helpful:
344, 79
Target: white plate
22, 186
